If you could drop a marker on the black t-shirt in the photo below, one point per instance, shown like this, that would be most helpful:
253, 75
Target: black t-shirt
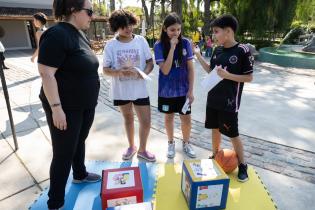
238, 60
68, 49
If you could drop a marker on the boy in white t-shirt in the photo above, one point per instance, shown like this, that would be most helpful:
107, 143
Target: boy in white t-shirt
124, 56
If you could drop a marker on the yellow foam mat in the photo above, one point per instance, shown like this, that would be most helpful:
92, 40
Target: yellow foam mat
251, 195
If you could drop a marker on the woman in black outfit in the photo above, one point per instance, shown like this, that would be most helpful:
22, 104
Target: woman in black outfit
70, 87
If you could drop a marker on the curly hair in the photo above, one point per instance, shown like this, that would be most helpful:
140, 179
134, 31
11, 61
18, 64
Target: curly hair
121, 19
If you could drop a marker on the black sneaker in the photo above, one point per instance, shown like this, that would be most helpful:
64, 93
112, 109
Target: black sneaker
90, 178
242, 175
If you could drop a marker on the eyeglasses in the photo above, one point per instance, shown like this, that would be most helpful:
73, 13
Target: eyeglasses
89, 12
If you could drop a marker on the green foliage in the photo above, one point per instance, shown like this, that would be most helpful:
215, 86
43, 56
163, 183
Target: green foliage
192, 18
258, 16
305, 11
99, 8
135, 10
262, 22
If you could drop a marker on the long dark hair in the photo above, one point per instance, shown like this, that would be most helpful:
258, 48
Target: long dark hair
171, 19
63, 8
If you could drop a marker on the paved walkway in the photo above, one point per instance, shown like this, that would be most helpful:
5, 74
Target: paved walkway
284, 169
278, 106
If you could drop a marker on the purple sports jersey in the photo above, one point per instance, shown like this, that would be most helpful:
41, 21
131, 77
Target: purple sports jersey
176, 83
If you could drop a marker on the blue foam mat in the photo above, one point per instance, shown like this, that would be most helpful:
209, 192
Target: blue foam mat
87, 196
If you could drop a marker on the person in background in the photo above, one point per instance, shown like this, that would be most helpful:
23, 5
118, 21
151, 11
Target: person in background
208, 47
2, 58
39, 20
202, 42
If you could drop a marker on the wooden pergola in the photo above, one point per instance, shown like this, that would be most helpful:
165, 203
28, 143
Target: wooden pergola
49, 18
10, 13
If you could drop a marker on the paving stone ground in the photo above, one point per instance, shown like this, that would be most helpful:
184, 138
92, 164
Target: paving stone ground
282, 159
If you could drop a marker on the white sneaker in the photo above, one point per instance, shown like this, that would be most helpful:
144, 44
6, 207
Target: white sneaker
189, 150
171, 149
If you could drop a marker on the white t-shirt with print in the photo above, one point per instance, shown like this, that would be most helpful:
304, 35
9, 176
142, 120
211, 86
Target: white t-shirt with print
119, 54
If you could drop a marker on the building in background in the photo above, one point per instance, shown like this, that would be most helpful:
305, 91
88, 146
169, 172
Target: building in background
16, 21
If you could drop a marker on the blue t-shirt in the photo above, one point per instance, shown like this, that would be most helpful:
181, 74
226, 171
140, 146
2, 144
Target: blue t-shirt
176, 83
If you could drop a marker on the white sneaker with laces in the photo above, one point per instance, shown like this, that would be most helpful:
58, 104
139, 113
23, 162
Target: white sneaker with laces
171, 149
188, 149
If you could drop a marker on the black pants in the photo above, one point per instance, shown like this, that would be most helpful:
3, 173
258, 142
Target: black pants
2, 58
68, 150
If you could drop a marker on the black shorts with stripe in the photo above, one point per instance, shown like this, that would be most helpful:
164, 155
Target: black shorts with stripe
226, 122
172, 105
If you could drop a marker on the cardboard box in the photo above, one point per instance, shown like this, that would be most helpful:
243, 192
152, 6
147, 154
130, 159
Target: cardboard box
204, 184
121, 186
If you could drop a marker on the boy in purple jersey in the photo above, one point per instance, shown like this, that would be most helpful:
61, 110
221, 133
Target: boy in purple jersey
234, 64
173, 54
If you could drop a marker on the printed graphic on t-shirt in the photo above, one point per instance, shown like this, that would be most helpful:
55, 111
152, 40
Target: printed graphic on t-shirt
176, 62
128, 58
233, 59
230, 102
184, 52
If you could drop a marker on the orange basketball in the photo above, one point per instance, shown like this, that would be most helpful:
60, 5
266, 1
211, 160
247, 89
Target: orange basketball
227, 159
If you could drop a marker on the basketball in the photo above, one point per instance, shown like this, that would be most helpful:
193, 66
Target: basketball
227, 159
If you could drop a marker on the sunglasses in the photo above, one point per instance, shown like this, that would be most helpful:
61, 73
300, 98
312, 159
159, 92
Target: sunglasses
89, 12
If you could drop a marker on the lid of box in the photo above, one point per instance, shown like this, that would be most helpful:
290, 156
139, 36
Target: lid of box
121, 178
205, 170
138, 206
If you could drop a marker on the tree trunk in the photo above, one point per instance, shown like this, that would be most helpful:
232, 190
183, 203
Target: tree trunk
177, 7
152, 12
206, 26
198, 5
146, 13
163, 9
112, 5
99, 7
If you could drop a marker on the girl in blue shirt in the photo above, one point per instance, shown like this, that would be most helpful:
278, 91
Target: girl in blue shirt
173, 54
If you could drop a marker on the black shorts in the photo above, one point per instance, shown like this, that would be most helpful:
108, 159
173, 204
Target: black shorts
226, 122
138, 102
2, 58
172, 105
